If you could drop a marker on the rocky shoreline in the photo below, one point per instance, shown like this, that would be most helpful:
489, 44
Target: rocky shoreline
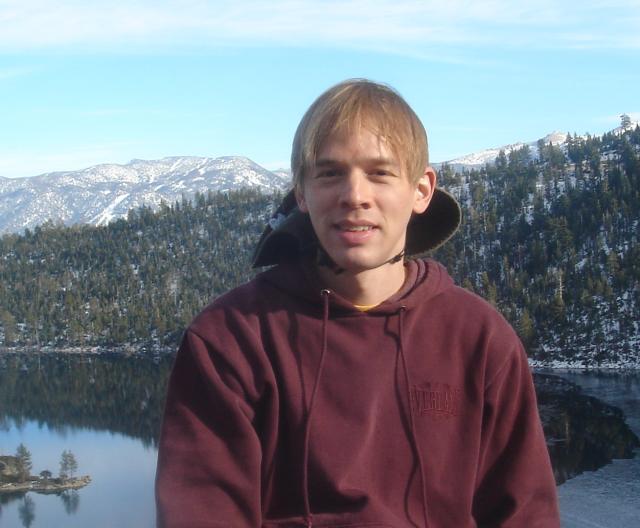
40, 485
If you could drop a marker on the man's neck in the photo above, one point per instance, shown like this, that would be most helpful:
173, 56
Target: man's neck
366, 288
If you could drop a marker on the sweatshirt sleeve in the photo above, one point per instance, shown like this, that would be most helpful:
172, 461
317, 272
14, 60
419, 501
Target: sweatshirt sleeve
515, 484
209, 456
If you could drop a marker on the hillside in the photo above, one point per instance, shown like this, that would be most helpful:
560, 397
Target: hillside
138, 280
551, 239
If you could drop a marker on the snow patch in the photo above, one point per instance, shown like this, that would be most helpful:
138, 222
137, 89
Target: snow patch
108, 213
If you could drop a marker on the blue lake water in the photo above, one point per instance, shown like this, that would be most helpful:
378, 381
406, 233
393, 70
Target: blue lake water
95, 397
104, 409
122, 470
610, 496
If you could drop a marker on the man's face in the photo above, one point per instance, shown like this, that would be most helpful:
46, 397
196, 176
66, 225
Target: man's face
360, 200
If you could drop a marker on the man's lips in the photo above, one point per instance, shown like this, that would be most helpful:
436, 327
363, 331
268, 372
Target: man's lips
355, 227
355, 233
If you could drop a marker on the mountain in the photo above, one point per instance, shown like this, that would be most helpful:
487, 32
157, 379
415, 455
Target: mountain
101, 193
96, 195
482, 157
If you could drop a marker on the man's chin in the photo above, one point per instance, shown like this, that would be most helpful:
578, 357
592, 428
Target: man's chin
355, 264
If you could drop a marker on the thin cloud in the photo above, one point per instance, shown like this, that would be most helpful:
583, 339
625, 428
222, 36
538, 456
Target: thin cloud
414, 26
139, 112
105, 112
26, 163
11, 73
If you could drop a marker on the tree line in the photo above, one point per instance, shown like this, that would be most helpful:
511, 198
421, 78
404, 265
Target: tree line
551, 240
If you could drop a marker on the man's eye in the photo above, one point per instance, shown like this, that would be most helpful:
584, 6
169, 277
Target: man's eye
381, 173
329, 173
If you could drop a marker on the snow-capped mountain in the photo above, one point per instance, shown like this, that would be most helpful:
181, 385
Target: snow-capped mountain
478, 159
101, 193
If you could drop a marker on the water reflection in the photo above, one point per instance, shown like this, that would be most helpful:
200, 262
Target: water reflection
107, 411
105, 392
27, 511
71, 501
583, 433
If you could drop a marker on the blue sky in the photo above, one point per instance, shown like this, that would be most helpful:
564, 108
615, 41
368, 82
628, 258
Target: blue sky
85, 82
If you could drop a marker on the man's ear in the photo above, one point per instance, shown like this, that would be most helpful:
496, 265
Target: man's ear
424, 190
302, 204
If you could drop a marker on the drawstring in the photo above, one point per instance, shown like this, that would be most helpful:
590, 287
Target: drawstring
307, 427
416, 447
308, 516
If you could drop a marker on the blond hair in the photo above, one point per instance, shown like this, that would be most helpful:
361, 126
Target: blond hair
353, 104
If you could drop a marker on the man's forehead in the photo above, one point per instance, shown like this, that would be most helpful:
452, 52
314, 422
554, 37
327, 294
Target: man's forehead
367, 142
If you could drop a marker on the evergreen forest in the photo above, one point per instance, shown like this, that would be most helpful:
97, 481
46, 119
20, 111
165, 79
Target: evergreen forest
550, 239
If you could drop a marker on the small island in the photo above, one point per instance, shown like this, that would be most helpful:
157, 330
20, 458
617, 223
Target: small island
15, 474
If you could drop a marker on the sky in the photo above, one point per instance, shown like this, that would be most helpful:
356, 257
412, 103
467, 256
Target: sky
86, 82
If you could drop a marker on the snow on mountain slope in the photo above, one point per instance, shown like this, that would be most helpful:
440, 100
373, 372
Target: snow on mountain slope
101, 193
478, 159
105, 192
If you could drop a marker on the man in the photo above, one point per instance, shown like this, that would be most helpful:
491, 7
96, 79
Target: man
350, 385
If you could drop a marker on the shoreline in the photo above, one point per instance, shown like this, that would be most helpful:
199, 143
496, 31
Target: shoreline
156, 350
37, 485
120, 350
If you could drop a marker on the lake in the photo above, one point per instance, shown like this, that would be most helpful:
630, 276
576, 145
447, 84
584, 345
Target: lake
608, 497
106, 410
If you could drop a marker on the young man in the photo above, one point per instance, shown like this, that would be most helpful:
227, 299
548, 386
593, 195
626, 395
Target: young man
350, 385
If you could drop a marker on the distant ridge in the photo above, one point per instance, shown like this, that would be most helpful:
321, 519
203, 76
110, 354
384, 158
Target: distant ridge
98, 194
101, 193
482, 157
477, 159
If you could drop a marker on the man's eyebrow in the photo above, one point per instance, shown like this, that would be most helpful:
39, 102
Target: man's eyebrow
324, 162
387, 162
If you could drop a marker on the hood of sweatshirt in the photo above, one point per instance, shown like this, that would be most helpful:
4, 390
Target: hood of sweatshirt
424, 280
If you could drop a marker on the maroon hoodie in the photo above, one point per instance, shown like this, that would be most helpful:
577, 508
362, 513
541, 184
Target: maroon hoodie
289, 407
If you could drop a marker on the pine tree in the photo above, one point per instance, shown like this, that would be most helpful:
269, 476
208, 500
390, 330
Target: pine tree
24, 462
8, 323
526, 328
68, 465
625, 121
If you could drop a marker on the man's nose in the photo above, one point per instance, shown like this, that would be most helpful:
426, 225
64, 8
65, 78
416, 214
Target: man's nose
355, 190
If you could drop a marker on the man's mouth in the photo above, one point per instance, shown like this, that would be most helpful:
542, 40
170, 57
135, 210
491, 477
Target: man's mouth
357, 228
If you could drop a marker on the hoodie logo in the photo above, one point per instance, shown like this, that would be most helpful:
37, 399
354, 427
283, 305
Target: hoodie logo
438, 400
